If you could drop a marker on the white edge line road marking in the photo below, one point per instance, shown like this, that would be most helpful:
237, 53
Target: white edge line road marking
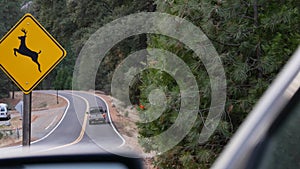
83, 124
52, 122
79, 138
64, 114
110, 121
66, 109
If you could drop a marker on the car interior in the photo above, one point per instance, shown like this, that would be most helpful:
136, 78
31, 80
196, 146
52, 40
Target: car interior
280, 147
74, 161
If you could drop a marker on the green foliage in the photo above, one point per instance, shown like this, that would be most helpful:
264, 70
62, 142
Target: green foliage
254, 40
72, 23
9, 12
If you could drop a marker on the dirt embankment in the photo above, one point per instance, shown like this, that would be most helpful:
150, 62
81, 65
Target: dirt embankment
125, 122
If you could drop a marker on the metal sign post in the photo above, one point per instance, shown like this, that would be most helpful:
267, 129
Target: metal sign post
28, 65
26, 119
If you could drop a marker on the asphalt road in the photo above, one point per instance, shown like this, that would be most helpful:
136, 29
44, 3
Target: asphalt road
74, 132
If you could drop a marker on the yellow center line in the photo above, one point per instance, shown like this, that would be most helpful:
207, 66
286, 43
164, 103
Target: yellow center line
79, 138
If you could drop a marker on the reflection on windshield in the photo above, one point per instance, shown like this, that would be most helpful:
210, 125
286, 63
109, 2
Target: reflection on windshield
147, 63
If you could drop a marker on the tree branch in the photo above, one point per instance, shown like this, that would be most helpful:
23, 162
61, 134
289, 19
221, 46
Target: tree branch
255, 15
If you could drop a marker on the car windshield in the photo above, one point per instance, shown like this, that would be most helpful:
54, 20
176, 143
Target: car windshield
95, 111
172, 79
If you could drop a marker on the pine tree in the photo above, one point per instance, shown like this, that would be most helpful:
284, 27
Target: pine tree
10, 12
73, 22
254, 39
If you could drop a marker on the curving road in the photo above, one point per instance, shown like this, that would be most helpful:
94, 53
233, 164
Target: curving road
74, 132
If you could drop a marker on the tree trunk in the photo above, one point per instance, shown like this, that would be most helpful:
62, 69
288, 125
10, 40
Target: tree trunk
258, 46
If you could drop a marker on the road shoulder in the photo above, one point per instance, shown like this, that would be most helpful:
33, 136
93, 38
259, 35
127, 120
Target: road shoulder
47, 111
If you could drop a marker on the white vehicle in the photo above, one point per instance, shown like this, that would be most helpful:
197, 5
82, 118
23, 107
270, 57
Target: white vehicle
4, 113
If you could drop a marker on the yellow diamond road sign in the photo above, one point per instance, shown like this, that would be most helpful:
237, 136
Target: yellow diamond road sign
28, 53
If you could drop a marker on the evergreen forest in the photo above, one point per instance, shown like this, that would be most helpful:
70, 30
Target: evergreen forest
254, 39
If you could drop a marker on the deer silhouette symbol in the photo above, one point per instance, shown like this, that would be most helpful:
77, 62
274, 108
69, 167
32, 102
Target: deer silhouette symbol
23, 50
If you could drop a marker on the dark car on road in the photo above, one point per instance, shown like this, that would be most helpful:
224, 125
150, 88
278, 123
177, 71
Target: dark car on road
97, 115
